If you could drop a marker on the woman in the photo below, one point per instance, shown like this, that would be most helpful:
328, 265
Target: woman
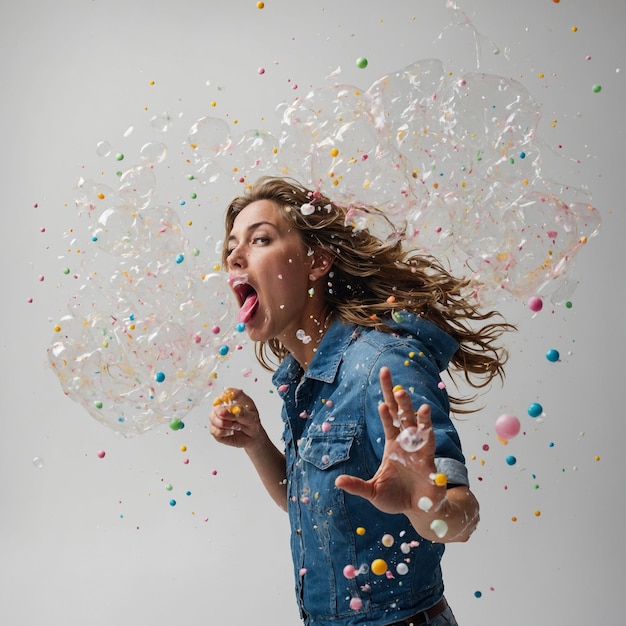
373, 489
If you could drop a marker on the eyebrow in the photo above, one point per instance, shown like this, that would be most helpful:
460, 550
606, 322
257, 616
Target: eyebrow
253, 227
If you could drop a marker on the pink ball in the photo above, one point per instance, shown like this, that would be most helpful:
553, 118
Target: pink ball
507, 426
349, 571
535, 303
356, 604
101, 454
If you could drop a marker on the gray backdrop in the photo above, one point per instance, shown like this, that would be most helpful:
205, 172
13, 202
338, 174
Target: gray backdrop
85, 540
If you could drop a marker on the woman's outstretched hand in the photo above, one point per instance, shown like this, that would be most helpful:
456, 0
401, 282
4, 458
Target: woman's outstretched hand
406, 480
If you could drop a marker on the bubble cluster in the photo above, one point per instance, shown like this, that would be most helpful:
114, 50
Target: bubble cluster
455, 159
452, 161
151, 321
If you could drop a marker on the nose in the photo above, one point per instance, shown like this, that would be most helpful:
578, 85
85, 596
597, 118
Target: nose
236, 257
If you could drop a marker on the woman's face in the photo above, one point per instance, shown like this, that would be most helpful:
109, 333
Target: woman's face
271, 273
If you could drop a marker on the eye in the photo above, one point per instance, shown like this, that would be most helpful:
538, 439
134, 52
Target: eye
261, 240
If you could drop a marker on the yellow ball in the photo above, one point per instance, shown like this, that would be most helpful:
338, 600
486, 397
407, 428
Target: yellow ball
379, 567
441, 480
360, 530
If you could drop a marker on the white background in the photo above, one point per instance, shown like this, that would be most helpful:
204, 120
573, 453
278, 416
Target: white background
85, 540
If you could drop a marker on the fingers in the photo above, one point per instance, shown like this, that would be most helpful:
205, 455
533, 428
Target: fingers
386, 385
411, 429
355, 486
423, 416
233, 412
223, 423
397, 405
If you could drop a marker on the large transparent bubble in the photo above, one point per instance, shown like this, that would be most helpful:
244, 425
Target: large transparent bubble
152, 321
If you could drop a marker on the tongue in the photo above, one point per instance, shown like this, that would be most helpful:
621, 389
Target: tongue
248, 308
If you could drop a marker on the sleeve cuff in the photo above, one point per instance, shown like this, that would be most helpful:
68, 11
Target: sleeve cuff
455, 471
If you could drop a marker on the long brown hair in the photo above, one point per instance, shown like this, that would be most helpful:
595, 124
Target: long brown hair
371, 279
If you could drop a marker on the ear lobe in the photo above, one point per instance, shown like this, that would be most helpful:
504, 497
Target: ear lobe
320, 266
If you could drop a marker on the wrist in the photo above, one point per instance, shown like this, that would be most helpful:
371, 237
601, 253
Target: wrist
258, 444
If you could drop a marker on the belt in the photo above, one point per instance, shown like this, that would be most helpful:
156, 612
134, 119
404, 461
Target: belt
423, 617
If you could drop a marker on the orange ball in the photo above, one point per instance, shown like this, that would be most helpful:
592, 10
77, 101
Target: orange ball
379, 567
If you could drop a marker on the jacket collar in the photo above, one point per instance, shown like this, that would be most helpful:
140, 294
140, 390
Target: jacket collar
325, 363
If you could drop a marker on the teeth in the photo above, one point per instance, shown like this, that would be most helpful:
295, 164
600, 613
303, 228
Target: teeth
237, 281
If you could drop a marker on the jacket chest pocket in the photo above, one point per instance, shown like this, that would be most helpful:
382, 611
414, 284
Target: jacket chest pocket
325, 448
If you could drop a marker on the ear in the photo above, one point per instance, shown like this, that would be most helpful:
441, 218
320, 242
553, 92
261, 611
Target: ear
321, 262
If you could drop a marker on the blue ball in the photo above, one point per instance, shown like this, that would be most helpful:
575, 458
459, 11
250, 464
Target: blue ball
159, 377
553, 355
511, 460
535, 409
223, 350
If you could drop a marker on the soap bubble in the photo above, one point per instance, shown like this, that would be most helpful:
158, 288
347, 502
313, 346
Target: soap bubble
103, 148
153, 152
137, 186
161, 122
208, 136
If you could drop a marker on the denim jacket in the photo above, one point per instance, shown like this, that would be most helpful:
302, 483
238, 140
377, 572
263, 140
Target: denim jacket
332, 427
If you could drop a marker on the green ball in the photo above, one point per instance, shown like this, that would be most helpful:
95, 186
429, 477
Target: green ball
596, 88
361, 63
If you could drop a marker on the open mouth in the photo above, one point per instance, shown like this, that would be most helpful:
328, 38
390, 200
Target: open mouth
247, 297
